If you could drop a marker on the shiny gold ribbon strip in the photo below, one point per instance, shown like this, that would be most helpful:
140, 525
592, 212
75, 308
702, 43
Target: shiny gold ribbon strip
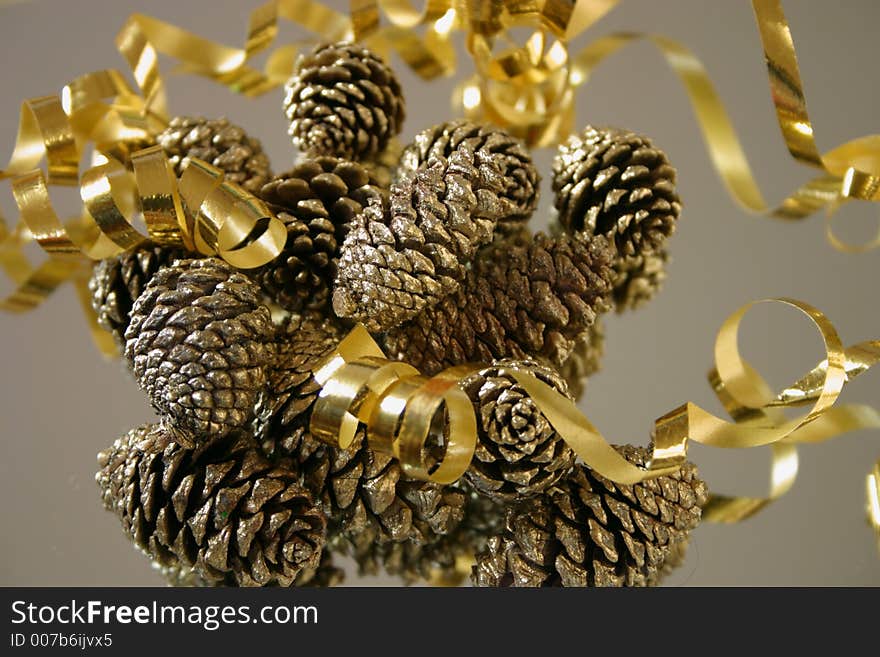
404, 412
101, 109
510, 89
528, 88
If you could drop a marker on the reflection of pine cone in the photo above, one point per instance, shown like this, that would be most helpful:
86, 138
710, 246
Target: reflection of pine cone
395, 264
518, 451
638, 279
369, 500
616, 183
589, 531
117, 282
516, 302
343, 100
223, 509
282, 415
584, 360
489, 144
198, 344
217, 142
316, 200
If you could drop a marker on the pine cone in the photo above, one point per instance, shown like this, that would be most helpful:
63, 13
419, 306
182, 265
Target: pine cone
217, 142
344, 101
316, 200
369, 500
589, 531
117, 282
638, 279
179, 575
584, 360
674, 560
222, 509
199, 346
616, 183
393, 265
516, 302
382, 166
438, 560
521, 179
518, 452
282, 415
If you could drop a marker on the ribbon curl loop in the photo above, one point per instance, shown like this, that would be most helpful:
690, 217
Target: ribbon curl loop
399, 409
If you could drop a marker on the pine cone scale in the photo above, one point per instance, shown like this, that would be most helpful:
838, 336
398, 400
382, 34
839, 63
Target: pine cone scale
222, 511
587, 531
515, 302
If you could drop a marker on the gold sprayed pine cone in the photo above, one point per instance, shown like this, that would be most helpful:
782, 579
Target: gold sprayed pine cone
365, 494
638, 279
222, 510
489, 144
530, 301
368, 500
344, 101
615, 183
316, 200
396, 263
116, 283
281, 419
588, 531
438, 559
220, 143
518, 452
179, 575
584, 360
199, 344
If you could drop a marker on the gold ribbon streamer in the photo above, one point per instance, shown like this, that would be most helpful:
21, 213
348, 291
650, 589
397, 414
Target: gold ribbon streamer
401, 412
522, 92
528, 88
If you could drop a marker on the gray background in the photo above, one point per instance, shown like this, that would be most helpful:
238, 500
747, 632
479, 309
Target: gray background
62, 403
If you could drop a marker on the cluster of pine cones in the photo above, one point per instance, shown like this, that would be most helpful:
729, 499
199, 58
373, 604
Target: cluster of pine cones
433, 255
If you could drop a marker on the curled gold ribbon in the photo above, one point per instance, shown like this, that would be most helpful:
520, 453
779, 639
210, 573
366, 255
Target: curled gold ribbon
401, 410
541, 114
103, 110
528, 88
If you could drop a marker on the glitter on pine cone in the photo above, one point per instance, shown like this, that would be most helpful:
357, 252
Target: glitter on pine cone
530, 301
638, 279
489, 144
281, 418
316, 200
439, 558
368, 500
199, 343
344, 101
584, 360
518, 452
589, 531
395, 264
222, 510
117, 282
365, 494
179, 575
615, 183
219, 143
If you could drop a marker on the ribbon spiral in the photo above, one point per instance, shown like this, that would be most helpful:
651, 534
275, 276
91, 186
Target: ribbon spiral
529, 89
399, 409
